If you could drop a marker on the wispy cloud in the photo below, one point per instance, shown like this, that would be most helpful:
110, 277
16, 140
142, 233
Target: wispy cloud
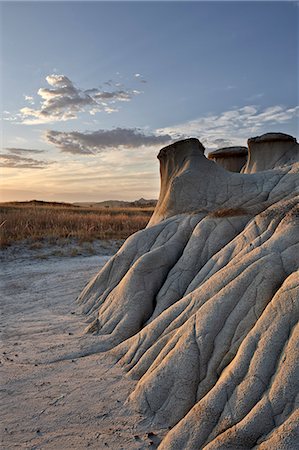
22, 151
254, 97
232, 127
13, 157
64, 101
29, 99
101, 140
140, 78
21, 162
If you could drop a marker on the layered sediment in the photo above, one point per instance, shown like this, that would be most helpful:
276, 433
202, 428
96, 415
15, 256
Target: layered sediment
231, 158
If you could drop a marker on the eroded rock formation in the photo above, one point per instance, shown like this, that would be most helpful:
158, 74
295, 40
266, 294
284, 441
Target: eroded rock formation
202, 306
231, 158
269, 151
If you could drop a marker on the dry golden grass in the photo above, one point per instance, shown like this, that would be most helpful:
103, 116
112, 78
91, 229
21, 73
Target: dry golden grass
40, 221
229, 212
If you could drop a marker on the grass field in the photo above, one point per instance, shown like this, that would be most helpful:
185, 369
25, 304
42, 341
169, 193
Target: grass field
40, 220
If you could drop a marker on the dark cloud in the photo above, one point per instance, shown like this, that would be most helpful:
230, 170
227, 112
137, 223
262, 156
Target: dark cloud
21, 162
121, 96
97, 141
63, 101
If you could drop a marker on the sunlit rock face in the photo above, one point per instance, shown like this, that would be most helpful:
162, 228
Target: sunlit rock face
231, 158
201, 307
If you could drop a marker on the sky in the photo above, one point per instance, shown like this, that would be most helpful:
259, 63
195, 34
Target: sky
91, 91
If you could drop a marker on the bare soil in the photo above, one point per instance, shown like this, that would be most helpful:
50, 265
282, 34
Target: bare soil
69, 404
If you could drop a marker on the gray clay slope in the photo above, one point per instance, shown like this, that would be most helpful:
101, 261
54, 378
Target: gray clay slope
202, 306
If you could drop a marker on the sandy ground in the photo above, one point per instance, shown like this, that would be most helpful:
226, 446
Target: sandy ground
70, 404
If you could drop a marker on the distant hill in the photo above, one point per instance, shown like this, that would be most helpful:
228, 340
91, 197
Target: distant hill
41, 203
142, 202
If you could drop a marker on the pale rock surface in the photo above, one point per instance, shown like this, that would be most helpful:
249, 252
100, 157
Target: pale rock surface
201, 307
231, 158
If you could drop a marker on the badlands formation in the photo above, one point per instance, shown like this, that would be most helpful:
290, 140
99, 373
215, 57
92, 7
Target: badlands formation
201, 307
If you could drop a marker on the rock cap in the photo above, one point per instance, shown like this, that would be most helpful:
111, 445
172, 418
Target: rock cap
228, 151
272, 137
181, 146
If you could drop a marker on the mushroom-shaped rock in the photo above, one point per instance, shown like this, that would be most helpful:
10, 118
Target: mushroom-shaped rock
187, 179
271, 150
201, 307
231, 158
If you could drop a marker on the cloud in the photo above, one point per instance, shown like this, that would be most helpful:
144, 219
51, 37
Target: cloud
64, 101
21, 151
232, 127
21, 162
140, 77
254, 97
29, 99
101, 140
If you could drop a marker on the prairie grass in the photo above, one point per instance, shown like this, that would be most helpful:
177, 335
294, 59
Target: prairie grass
52, 222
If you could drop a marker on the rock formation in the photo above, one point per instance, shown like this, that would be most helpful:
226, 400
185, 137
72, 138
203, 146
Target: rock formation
201, 307
231, 158
269, 151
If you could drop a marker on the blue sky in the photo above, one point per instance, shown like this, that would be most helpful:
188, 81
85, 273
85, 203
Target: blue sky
92, 90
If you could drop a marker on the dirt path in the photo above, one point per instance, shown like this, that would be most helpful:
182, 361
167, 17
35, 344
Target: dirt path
71, 404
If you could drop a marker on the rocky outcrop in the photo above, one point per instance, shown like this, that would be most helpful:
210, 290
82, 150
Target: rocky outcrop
231, 158
201, 307
271, 150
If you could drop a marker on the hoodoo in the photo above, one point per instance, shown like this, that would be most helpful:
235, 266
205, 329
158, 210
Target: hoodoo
271, 150
231, 158
202, 306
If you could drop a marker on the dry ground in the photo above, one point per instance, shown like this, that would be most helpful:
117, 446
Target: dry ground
71, 404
